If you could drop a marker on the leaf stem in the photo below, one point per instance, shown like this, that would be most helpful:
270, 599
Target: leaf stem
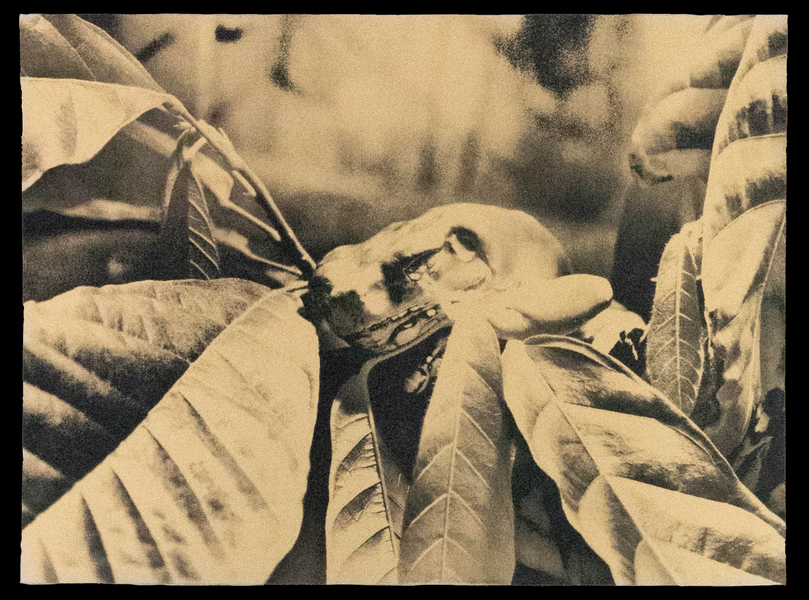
219, 142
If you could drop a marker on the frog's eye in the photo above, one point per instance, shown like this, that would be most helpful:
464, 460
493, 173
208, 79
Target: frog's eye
419, 265
457, 265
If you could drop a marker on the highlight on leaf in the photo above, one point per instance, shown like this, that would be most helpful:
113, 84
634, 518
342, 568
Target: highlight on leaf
676, 333
459, 525
209, 487
633, 471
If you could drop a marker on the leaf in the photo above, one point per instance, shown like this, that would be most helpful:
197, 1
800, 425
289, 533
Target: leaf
187, 228
60, 130
737, 269
746, 174
204, 255
748, 164
674, 136
544, 539
459, 525
676, 334
208, 489
95, 360
603, 331
67, 121
65, 46
723, 45
366, 494
632, 470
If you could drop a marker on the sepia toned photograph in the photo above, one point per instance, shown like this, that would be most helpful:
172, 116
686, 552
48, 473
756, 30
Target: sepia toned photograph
403, 299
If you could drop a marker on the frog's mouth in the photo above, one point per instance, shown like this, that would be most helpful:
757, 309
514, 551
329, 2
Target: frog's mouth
406, 327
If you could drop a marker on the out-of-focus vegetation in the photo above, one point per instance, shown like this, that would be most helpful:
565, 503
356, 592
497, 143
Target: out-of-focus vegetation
354, 122
357, 121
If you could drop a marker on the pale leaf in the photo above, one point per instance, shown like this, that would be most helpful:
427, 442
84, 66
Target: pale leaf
67, 121
95, 360
630, 466
757, 99
675, 133
673, 138
459, 525
67, 47
746, 174
748, 163
674, 346
209, 488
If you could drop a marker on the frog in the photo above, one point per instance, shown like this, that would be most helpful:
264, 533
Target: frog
414, 277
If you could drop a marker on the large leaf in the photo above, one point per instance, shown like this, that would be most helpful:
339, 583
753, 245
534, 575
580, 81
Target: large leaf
748, 165
67, 121
96, 360
366, 493
642, 484
209, 487
674, 136
66, 46
742, 271
676, 335
744, 238
459, 525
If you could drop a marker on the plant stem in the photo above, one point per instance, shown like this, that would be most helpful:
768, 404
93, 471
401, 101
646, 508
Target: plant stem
220, 143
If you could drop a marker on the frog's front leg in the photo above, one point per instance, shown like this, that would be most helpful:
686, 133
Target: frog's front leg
525, 308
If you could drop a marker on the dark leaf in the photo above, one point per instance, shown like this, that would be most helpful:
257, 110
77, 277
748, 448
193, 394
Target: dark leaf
187, 231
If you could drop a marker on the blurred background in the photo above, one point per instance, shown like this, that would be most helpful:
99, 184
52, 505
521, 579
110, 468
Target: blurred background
354, 122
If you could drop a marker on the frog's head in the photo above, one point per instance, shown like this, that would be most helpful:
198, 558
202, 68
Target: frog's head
399, 285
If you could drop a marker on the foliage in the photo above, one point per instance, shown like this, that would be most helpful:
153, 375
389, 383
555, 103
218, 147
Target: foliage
168, 424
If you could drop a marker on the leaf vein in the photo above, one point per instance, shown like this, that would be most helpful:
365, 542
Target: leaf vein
474, 470
479, 428
427, 508
430, 463
472, 511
